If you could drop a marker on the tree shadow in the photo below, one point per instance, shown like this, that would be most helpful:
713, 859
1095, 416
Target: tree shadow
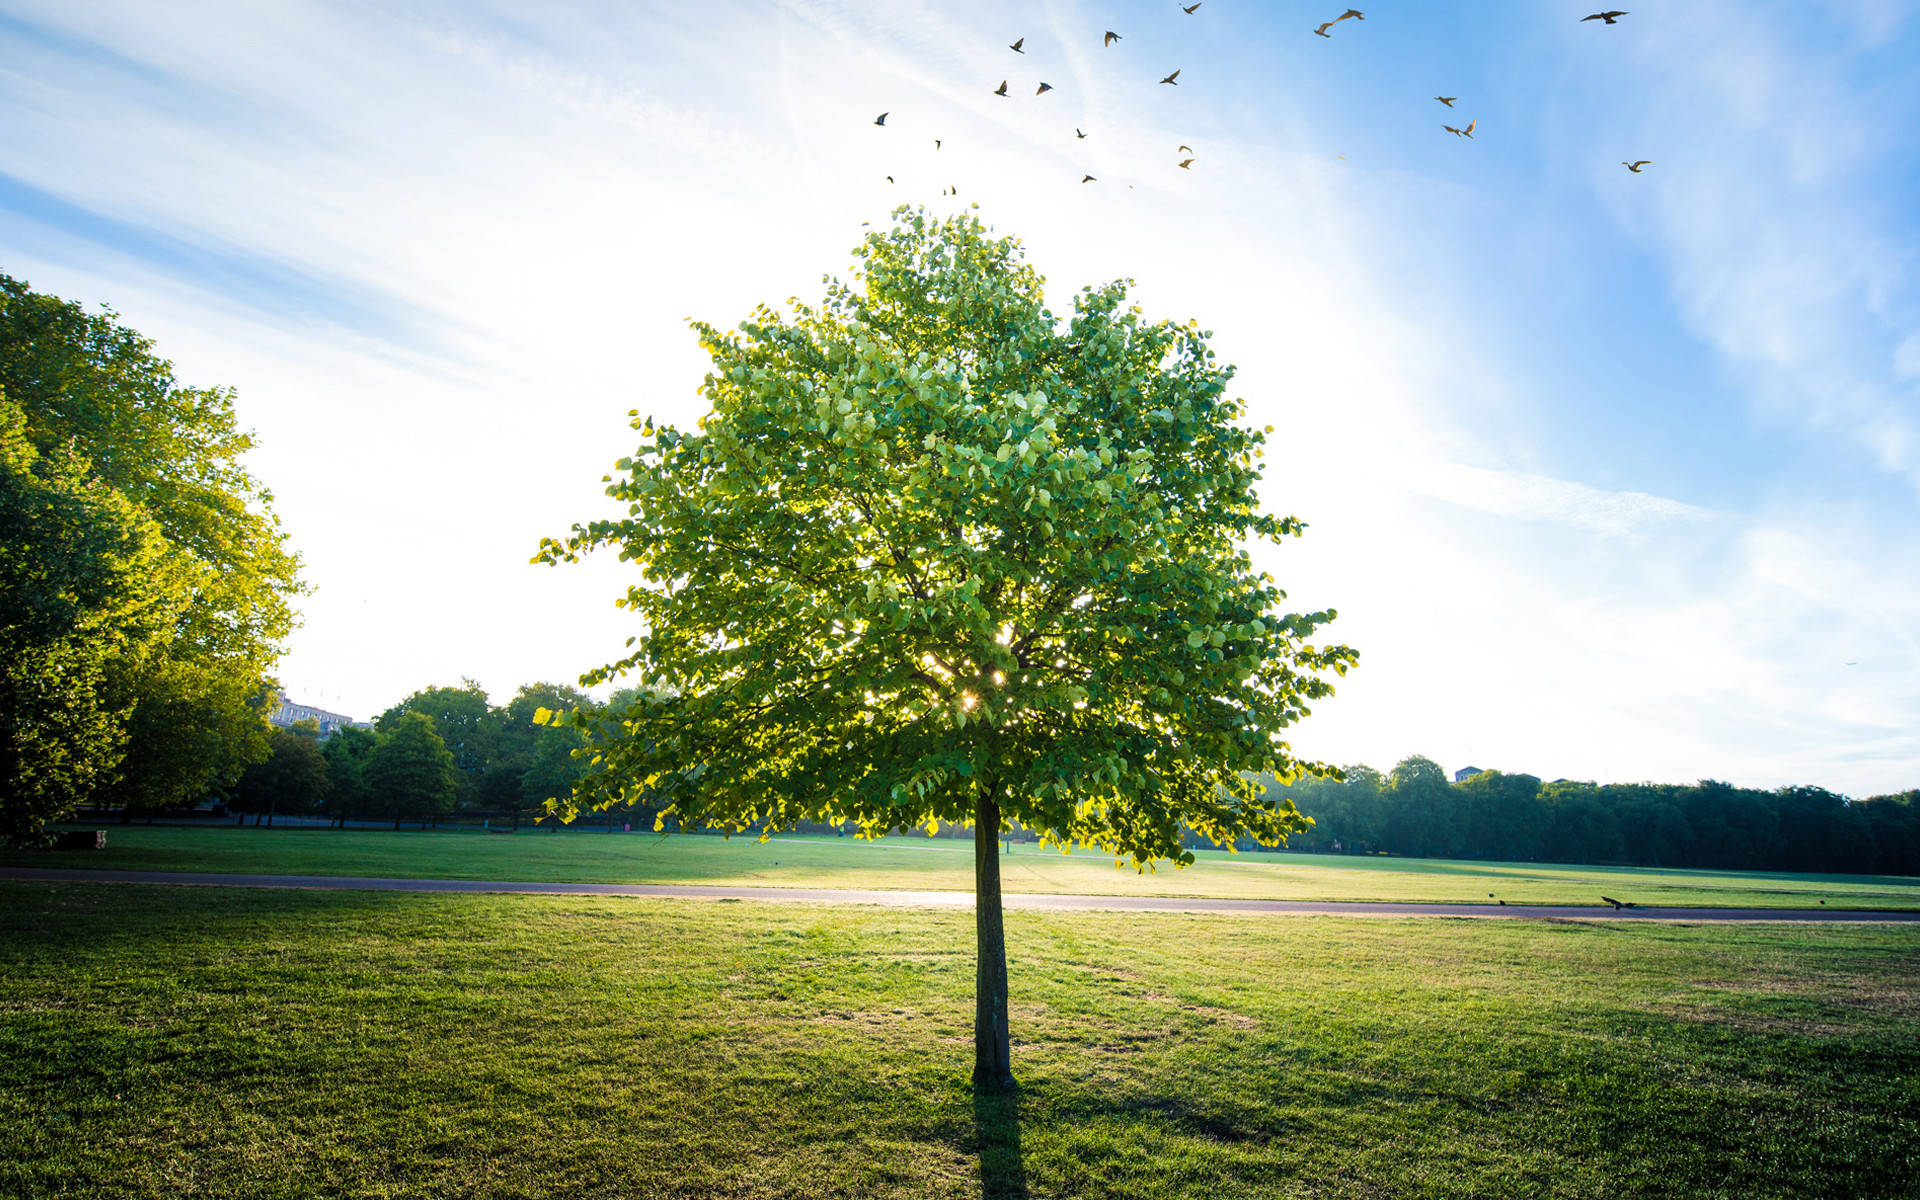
1003, 1167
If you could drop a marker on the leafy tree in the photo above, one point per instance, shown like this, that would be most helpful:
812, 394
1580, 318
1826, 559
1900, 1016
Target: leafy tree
466, 723
347, 753
292, 779
85, 590
411, 773
937, 556
536, 762
194, 706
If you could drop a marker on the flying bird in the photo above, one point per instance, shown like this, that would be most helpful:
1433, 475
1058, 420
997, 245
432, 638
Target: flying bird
1468, 131
1016, 46
1635, 166
1043, 89
1322, 31
936, 143
1450, 129
889, 179
1110, 39
1355, 13
881, 119
1610, 900
1171, 78
1002, 89
1611, 17
1447, 100
1186, 164
1188, 10
1077, 133
1187, 149
1087, 179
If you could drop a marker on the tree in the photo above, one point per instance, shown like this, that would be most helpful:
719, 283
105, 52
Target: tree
89, 386
537, 763
935, 556
347, 753
292, 779
411, 774
85, 590
466, 723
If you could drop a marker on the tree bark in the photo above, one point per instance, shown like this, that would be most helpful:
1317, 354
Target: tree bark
992, 1058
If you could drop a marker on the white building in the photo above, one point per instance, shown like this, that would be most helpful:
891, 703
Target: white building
287, 713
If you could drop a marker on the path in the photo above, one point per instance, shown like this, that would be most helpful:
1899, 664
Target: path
1027, 900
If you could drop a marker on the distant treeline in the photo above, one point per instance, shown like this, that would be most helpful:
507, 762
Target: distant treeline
1416, 811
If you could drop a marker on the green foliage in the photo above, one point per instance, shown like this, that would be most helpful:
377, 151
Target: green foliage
347, 753
534, 762
293, 779
467, 726
85, 590
1710, 824
92, 387
931, 545
410, 773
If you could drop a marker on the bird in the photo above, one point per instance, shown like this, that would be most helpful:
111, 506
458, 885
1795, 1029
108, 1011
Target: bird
1468, 131
1186, 164
1172, 79
1503, 904
1077, 133
881, 119
936, 143
1002, 89
1187, 149
1447, 100
1043, 89
1188, 10
1617, 906
889, 179
1110, 39
1016, 46
1450, 129
1087, 179
1355, 13
1611, 17
1635, 166
1322, 31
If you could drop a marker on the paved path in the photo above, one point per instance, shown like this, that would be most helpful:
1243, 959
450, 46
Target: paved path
1029, 900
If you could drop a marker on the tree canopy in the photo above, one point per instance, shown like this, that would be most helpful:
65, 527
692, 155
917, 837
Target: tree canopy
931, 540
85, 590
937, 554
191, 710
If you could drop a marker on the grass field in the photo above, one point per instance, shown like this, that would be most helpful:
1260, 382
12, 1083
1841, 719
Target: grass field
920, 863
243, 1043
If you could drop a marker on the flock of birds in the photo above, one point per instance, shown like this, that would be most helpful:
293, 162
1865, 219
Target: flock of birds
1609, 17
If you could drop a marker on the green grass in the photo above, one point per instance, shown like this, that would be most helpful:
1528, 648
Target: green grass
915, 863
241, 1043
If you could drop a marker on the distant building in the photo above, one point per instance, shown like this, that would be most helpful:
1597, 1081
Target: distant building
1465, 773
288, 713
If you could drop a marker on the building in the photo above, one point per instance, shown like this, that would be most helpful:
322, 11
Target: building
287, 713
1465, 773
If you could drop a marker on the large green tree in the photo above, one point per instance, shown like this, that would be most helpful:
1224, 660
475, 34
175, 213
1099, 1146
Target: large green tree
410, 773
86, 591
938, 555
292, 779
88, 385
467, 723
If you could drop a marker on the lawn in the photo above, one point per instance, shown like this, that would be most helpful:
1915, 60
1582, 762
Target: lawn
918, 863
233, 1042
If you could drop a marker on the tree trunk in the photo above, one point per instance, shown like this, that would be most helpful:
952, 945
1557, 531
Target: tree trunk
992, 1059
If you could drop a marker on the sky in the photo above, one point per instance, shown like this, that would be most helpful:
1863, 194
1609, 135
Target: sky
1610, 476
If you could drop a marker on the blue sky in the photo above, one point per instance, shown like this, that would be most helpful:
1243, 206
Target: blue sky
1611, 476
